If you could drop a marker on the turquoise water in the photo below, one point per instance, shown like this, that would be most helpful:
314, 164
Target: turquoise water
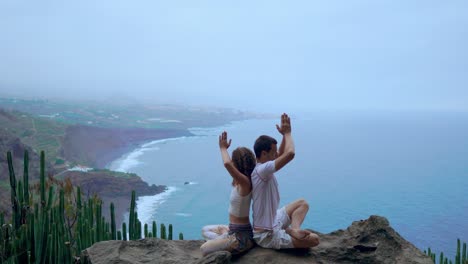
409, 167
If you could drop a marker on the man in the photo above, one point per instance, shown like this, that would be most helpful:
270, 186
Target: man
273, 227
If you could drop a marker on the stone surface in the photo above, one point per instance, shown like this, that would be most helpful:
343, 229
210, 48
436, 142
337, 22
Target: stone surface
365, 241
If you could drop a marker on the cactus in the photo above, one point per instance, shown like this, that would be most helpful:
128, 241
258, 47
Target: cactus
16, 213
155, 229
464, 254
138, 228
26, 177
131, 224
46, 234
113, 228
181, 236
458, 256
169, 237
42, 178
124, 231
163, 231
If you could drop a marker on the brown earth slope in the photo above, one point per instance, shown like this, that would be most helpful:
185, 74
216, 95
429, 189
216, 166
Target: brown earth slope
96, 147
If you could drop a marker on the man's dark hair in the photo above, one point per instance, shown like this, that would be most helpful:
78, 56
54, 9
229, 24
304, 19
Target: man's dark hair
263, 143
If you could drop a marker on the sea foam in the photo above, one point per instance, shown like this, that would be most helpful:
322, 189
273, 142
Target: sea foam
147, 206
131, 160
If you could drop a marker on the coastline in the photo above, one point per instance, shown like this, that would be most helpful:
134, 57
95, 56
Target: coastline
97, 147
143, 189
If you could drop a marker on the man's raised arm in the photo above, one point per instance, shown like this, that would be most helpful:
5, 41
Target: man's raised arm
286, 150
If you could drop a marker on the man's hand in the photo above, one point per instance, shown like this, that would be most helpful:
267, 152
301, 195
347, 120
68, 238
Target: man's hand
285, 125
223, 141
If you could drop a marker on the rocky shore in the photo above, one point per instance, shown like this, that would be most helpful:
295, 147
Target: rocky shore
97, 147
111, 188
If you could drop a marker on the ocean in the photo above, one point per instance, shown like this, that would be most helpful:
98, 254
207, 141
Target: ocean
410, 167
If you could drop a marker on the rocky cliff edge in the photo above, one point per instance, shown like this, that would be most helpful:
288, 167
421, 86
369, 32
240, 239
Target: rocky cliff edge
366, 241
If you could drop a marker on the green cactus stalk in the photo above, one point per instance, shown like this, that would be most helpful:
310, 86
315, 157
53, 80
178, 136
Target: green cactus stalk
107, 228
20, 194
16, 214
99, 230
131, 224
146, 230
26, 177
458, 256
119, 235
163, 231
124, 231
138, 230
181, 236
50, 201
61, 206
155, 229
42, 179
464, 256
113, 227
169, 237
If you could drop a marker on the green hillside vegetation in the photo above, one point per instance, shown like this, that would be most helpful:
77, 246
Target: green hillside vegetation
36, 132
111, 114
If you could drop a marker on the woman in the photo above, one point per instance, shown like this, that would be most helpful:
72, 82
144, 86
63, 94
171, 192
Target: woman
238, 238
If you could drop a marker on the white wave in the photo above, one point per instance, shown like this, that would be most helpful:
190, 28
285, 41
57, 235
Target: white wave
147, 206
131, 160
183, 214
162, 141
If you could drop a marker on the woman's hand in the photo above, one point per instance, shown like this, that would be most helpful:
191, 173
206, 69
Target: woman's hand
223, 141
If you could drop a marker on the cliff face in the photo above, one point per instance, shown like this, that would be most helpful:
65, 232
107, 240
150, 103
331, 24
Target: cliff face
365, 241
110, 188
95, 146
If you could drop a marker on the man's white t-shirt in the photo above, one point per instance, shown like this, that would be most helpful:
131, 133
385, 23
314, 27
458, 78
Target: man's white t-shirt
265, 195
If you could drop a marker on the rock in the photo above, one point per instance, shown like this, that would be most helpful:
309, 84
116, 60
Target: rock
365, 241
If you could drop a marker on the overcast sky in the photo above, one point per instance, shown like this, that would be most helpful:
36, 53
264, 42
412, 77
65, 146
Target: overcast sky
255, 55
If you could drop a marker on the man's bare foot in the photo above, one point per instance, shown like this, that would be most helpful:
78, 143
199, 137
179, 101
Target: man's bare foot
299, 233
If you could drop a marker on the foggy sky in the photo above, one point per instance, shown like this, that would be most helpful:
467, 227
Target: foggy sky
255, 55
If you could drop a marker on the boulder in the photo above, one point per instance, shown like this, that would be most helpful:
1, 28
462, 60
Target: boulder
366, 241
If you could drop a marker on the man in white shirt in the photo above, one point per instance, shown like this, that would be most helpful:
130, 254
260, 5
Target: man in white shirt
273, 227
